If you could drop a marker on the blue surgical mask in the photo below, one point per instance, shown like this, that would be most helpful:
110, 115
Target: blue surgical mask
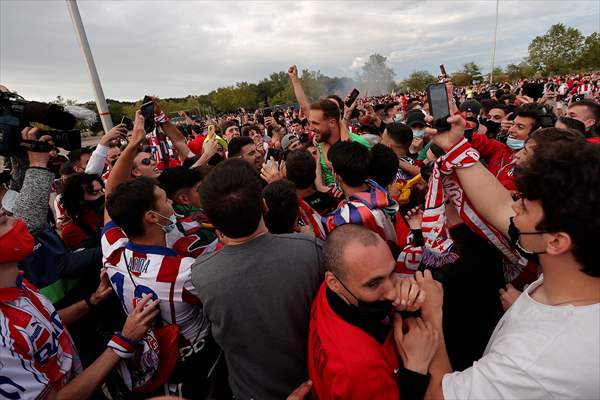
418, 133
515, 144
398, 118
172, 222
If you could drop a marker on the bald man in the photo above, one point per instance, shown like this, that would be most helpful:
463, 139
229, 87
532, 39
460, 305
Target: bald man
357, 348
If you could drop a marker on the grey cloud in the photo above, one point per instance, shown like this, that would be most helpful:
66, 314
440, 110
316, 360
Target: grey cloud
177, 48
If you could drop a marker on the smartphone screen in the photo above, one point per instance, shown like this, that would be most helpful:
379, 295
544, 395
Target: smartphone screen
352, 98
147, 110
438, 101
127, 122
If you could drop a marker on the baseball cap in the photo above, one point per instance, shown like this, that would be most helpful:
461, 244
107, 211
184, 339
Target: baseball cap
288, 140
471, 106
415, 118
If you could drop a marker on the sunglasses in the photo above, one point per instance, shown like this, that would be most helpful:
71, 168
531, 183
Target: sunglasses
147, 161
95, 192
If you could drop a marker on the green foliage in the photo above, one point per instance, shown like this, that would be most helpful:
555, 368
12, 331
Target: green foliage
558, 51
590, 54
461, 79
418, 80
498, 76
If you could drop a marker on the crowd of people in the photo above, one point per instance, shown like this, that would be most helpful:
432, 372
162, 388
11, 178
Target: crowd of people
337, 249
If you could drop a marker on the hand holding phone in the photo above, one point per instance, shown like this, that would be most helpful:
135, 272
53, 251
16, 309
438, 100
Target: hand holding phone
437, 97
352, 97
147, 110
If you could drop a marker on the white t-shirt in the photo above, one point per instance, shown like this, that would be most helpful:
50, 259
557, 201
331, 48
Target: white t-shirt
536, 352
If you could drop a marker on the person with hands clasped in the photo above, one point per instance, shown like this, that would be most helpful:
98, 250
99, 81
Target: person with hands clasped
359, 346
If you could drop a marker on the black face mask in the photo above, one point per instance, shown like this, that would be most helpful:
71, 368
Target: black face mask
492, 128
513, 238
375, 311
95, 205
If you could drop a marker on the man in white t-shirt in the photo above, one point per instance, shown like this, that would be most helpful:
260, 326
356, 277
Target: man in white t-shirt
547, 344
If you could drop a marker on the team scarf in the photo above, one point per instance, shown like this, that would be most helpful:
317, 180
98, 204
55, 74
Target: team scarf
445, 185
361, 209
309, 217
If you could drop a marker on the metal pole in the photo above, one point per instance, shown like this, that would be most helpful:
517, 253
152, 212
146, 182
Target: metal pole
107, 123
494, 47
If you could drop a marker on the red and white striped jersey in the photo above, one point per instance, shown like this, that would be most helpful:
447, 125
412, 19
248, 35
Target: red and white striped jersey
135, 270
36, 351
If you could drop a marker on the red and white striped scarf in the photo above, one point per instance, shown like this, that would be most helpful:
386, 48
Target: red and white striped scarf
444, 185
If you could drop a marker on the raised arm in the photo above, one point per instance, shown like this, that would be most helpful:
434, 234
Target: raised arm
492, 200
98, 157
174, 134
301, 97
122, 169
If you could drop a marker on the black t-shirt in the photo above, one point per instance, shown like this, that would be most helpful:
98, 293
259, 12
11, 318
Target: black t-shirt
323, 203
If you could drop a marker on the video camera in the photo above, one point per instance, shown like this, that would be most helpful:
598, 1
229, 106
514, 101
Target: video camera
16, 113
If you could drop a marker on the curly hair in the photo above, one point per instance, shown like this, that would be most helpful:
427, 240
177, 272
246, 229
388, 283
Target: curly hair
564, 176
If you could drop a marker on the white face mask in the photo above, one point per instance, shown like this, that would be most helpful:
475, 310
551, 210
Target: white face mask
172, 222
418, 133
514, 144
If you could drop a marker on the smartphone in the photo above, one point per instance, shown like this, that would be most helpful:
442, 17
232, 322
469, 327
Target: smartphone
352, 98
127, 122
147, 110
267, 112
438, 106
443, 71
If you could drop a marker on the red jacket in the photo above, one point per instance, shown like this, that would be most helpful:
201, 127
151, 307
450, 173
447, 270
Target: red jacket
344, 362
497, 156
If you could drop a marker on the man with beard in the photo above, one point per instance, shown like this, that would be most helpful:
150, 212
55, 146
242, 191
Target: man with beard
324, 120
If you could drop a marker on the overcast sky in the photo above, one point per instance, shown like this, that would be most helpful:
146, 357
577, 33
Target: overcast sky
176, 48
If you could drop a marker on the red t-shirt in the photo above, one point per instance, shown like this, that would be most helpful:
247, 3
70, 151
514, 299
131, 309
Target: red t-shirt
195, 145
497, 156
344, 362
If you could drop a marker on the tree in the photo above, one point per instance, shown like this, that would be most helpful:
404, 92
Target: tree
590, 54
376, 76
557, 51
498, 76
473, 70
418, 80
461, 79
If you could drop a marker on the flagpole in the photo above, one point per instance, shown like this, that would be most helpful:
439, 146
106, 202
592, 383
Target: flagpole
107, 123
494, 47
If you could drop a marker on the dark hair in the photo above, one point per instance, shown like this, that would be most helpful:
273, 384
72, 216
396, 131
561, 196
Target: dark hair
231, 198
330, 110
75, 155
128, 203
174, 179
338, 100
350, 160
234, 148
300, 168
73, 191
67, 168
283, 206
533, 111
565, 177
572, 123
246, 129
400, 133
384, 164
370, 128
488, 104
499, 106
228, 124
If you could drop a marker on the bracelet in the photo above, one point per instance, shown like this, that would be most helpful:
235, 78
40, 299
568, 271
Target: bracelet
89, 303
123, 346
